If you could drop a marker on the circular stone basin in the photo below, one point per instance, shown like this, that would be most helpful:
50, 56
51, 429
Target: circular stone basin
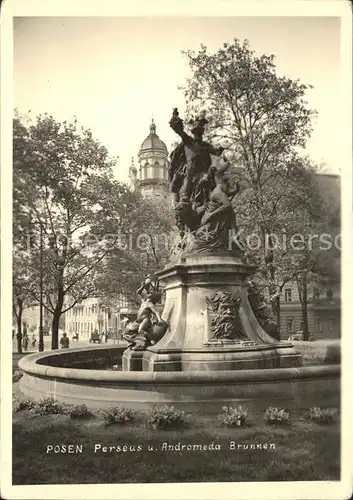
71, 376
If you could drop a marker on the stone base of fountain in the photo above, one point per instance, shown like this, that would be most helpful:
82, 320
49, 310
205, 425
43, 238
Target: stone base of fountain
212, 326
213, 359
68, 375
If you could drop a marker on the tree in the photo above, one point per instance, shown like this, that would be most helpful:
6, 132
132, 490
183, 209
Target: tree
65, 197
307, 254
57, 167
21, 297
21, 276
140, 235
318, 260
263, 120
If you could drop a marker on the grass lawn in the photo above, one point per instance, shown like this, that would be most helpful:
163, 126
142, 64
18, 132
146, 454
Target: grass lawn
304, 451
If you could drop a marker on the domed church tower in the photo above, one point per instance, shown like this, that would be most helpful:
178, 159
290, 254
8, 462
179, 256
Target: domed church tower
153, 167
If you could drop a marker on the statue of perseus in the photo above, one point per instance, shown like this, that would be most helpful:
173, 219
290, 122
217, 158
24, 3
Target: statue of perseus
191, 175
202, 192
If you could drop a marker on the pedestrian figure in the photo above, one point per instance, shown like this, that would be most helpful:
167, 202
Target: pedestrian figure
64, 341
25, 342
34, 340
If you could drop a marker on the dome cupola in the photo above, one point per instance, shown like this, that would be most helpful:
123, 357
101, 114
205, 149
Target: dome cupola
153, 165
153, 142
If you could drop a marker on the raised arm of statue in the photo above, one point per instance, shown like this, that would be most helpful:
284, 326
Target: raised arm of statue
176, 123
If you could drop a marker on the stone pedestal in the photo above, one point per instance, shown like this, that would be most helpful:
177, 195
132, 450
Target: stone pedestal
190, 343
132, 360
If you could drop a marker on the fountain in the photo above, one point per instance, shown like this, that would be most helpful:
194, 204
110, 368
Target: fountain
213, 341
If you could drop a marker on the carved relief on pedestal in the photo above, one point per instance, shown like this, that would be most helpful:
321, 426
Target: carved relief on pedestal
224, 321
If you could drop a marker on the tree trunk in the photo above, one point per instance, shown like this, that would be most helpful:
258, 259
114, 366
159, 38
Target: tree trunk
56, 319
55, 329
18, 315
304, 306
276, 302
275, 305
19, 333
277, 311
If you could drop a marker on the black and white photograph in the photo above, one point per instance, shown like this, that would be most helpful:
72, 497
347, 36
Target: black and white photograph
175, 273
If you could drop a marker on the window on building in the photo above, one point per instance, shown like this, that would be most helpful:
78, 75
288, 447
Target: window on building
316, 293
155, 170
329, 294
288, 295
318, 325
290, 325
122, 302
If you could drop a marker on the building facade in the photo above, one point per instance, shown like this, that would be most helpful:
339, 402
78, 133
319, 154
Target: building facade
324, 311
30, 320
95, 315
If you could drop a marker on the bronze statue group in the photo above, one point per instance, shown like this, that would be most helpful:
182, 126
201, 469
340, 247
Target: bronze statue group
204, 214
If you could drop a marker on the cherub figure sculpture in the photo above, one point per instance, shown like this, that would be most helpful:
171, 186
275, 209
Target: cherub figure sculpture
149, 327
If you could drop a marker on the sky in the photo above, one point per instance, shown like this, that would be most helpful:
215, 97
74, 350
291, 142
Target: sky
115, 74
